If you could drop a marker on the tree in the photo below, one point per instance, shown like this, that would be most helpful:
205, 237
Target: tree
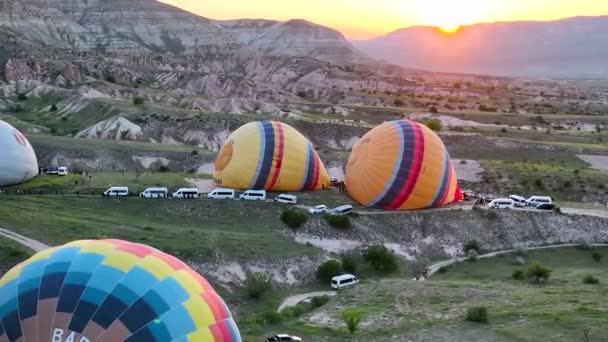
590, 280
53, 108
301, 93
139, 100
518, 275
433, 110
349, 265
328, 270
257, 284
434, 125
381, 259
352, 318
539, 273
399, 103
471, 245
341, 222
22, 97
293, 218
477, 314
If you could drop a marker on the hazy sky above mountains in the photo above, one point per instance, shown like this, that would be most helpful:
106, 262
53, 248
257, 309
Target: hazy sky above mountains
367, 18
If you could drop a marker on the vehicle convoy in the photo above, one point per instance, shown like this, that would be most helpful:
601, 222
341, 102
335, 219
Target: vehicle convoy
319, 209
519, 201
154, 193
116, 191
502, 203
253, 195
287, 199
186, 193
535, 201
222, 194
342, 281
283, 337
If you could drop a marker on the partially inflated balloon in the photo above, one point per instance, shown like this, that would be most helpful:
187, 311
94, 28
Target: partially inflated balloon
272, 156
17, 158
112, 291
401, 165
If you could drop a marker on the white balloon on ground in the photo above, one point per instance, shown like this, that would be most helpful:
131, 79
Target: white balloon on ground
18, 161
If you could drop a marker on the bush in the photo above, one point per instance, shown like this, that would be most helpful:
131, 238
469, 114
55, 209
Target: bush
349, 265
271, 317
22, 97
340, 222
294, 218
557, 210
257, 284
597, 257
194, 152
328, 270
381, 259
433, 110
54, 108
471, 245
434, 125
590, 280
477, 314
301, 93
352, 319
138, 100
539, 273
399, 103
518, 275
163, 168
14, 108
317, 302
472, 255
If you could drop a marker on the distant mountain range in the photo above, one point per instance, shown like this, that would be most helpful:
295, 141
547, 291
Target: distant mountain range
569, 48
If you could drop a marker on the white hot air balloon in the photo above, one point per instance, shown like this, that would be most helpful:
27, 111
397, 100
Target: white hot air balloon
18, 161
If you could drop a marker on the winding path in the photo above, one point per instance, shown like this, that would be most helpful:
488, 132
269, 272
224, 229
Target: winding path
32, 244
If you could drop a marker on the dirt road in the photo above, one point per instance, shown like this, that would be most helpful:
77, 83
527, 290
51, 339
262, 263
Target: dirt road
32, 244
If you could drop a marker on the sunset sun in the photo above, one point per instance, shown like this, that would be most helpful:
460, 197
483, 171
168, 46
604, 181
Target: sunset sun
449, 28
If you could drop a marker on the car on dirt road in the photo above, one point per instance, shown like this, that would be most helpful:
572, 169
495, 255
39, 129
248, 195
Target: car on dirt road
319, 209
546, 206
287, 199
502, 203
283, 337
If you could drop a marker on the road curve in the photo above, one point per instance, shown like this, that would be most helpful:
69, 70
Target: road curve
294, 300
32, 244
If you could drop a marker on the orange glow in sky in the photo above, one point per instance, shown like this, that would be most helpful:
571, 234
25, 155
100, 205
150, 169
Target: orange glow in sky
365, 18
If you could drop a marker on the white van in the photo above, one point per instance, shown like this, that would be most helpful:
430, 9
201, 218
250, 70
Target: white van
343, 210
186, 193
154, 193
116, 191
343, 281
222, 194
502, 203
518, 200
62, 171
253, 195
287, 199
535, 201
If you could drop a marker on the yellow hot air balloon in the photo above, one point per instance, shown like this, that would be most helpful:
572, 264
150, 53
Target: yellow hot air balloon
401, 165
271, 156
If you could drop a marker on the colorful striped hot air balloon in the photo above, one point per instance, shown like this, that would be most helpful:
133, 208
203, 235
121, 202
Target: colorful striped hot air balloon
401, 165
271, 156
110, 290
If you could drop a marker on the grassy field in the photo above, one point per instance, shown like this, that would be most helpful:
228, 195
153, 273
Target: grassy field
199, 230
11, 253
400, 309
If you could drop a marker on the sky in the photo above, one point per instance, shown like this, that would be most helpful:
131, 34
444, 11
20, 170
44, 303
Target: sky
362, 19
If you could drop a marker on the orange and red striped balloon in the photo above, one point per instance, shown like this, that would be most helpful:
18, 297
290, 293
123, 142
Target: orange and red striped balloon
401, 165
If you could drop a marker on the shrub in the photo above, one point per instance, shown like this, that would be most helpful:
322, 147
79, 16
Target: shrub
53, 108
163, 168
590, 280
504, 130
471, 245
194, 152
271, 317
398, 103
328, 270
433, 110
138, 100
477, 314
434, 125
317, 302
538, 273
341, 222
349, 265
557, 210
597, 257
257, 284
14, 108
352, 318
294, 218
472, 255
301, 93
22, 97
381, 259
518, 275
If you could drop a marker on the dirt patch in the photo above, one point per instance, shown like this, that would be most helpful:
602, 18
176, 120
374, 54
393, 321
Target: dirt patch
468, 170
329, 245
596, 162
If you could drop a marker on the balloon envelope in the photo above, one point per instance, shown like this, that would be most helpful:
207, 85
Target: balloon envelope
110, 290
401, 165
18, 161
272, 156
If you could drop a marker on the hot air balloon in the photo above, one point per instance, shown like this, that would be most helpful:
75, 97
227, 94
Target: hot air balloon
401, 165
17, 158
271, 156
110, 290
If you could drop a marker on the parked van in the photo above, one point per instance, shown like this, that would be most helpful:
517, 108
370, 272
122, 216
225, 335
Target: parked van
116, 191
222, 194
343, 281
253, 195
186, 193
154, 193
343, 210
62, 171
288, 199
518, 200
535, 201
502, 203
